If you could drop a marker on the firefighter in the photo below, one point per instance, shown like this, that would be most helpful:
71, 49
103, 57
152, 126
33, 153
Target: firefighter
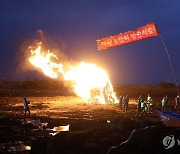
26, 106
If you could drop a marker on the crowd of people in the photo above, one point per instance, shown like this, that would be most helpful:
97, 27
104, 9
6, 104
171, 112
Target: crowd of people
147, 106
142, 105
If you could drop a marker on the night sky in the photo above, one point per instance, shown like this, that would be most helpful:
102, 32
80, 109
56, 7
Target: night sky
75, 25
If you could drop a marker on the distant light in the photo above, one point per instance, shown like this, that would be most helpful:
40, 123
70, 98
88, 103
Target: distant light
108, 121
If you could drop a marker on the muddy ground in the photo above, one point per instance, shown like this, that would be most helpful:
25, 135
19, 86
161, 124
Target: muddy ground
90, 128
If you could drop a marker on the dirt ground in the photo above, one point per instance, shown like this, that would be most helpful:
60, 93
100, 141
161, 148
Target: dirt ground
89, 128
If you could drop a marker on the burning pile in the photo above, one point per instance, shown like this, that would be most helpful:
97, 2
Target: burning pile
89, 81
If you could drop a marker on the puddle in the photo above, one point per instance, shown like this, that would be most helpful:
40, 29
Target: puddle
58, 129
16, 146
42, 126
19, 148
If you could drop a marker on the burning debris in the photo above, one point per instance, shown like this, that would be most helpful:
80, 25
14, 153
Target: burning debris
89, 81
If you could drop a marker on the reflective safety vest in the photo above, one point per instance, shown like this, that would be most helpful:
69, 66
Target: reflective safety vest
142, 104
163, 102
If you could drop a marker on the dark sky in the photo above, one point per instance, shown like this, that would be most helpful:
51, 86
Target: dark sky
76, 25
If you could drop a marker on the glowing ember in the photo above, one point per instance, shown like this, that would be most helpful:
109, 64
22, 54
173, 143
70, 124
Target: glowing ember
90, 82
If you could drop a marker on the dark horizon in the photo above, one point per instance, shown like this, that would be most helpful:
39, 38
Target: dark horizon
165, 84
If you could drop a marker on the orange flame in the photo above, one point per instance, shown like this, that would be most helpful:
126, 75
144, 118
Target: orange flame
43, 61
90, 82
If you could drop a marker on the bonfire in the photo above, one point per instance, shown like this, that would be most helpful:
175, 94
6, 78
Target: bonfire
88, 80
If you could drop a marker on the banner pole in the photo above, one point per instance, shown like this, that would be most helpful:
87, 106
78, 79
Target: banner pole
170, 62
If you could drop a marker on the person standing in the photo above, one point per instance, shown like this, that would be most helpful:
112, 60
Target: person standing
149, 103
123, 103
163, 102
139, 110
120, 102
167, 99
126, 103
26, 106
143, 105
176, 102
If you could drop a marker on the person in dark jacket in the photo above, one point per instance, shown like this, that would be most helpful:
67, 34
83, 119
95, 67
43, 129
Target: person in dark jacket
125, 101
139, 110
26, 106
120, 102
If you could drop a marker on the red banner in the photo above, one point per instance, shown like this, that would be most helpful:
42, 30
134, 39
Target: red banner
141, 33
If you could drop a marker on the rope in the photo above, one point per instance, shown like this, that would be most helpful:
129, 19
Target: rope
170, 62
172, 68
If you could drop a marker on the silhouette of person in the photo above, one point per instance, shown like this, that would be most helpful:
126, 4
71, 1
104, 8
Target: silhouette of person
26, 106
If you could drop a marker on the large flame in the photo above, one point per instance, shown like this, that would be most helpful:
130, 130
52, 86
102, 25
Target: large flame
89, 81
43, 61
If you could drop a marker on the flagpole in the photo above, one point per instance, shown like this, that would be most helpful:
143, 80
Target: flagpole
170, 62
